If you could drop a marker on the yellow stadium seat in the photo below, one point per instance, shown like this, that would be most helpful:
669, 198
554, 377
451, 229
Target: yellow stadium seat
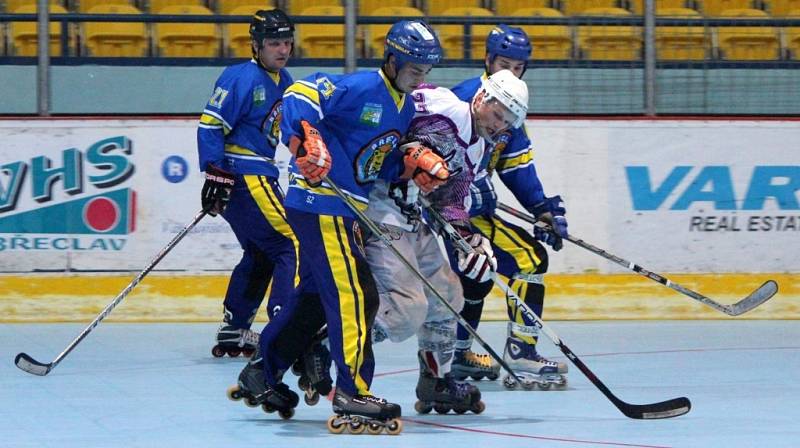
438, 7
13, 5
784, 8
748, 43
714, 8
367, 7
376, 33
115, 39
508, 7
579, 7
297, 6
85, 5
228, 6
793, 36
611, 42
157, 5
452, 36
187, 39
324, 40
637, 6
549, 41
25, 37
239, 33
681, 43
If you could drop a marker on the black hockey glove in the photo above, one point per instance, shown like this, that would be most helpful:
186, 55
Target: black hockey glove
551, 211
216, 190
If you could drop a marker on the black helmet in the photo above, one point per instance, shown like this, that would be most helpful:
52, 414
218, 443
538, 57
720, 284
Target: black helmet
271, 24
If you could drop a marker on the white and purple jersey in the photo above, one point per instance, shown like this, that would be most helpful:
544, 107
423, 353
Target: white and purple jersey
443, 123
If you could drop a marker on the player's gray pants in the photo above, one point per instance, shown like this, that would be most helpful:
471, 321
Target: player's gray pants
406, 306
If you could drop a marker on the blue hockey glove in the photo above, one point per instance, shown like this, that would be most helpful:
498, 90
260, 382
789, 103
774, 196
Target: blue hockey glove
551, 211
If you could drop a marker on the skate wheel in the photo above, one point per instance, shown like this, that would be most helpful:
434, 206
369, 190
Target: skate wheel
267, 408
250, 402
311, 400
302, 383
234, 352
394, 426
374, 429
545, 386
509, 383
441, 408
287, 414
492, 376
477, 377
234, 393
478, 407
334, 425
217, 351
459, 410
422, 407
248, 352
356, 426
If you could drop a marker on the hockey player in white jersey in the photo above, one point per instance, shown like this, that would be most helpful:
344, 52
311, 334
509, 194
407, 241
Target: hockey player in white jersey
459, 132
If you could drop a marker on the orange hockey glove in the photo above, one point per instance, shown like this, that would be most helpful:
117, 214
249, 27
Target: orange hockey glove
424, 167
311, 155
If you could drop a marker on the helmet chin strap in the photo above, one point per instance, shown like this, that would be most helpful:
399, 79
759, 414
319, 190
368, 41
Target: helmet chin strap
392, 79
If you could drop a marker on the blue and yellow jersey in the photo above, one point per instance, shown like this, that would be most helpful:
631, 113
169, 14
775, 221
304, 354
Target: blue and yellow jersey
512, 158
239, 128
362, 119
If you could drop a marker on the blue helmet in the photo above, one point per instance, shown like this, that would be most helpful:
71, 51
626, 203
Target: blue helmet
508, 41
412, 41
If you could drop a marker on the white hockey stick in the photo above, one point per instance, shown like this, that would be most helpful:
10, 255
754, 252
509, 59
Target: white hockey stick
754, 299
664, 409
30, 365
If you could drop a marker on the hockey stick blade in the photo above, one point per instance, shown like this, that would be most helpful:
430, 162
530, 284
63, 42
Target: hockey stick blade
32, 366
756, 298
664, 409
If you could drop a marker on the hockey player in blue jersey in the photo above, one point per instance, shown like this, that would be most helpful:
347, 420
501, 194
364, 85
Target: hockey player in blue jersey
343, 129
520, 256
237, 137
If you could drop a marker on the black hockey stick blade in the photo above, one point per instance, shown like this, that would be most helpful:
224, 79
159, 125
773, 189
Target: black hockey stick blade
30, 365
664, 409
756, 298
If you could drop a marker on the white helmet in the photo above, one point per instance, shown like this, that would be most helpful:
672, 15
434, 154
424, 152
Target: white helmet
511, 91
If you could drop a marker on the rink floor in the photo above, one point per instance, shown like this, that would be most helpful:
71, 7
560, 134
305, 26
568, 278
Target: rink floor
156, 385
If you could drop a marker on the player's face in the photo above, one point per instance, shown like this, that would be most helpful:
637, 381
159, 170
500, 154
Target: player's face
411, 76
492, 118
275, 53
503, 63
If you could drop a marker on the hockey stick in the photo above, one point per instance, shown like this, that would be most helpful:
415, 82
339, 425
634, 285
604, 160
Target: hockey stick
30, 365
664, 409
754, 299
386, 240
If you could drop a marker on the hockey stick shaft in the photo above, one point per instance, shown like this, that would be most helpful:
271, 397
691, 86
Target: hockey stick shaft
754, 299
388, 242
665, 409
28, 364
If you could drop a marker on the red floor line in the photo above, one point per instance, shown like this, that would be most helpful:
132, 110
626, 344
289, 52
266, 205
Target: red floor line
525, 436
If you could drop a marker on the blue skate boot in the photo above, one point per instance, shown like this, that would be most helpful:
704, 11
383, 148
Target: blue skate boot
532, 369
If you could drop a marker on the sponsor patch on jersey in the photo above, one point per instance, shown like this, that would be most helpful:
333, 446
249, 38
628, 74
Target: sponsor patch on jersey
371, 114
325, 87
259, 96
370, 158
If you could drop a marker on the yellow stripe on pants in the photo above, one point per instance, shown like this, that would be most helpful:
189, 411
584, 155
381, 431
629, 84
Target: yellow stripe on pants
351, 297
273, 211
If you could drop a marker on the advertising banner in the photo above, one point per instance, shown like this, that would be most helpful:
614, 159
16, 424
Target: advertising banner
677, 196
